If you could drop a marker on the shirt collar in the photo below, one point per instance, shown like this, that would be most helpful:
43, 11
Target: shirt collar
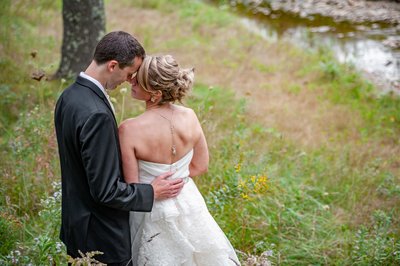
95, 81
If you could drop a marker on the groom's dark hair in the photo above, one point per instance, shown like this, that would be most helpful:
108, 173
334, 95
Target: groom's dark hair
119, 46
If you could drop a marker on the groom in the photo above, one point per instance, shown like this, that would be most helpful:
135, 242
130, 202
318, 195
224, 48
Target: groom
95, 199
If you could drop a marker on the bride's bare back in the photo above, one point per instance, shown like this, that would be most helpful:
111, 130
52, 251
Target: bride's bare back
148, 137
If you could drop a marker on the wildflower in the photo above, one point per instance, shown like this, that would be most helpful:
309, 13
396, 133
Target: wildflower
262, 179
57, 194
59, 246
56, 184
244, 196
113, 100
326, 207
123, 90
268, 253
63, 81
261, 184
238, 167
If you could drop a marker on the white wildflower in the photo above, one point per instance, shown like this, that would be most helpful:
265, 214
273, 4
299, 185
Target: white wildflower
123, 90
268, 253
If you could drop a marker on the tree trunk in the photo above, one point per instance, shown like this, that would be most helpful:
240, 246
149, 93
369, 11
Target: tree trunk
84, 26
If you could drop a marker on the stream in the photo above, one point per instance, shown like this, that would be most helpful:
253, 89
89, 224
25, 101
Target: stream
373, 48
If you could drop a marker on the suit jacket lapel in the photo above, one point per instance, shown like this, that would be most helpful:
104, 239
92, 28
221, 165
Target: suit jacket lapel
87, 83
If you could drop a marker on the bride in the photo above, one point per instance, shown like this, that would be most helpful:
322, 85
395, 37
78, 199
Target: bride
169, 137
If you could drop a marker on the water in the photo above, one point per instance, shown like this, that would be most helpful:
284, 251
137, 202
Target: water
361, 45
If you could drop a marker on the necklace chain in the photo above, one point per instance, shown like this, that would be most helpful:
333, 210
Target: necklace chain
172, 129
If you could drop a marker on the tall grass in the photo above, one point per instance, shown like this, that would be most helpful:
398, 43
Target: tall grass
273, 198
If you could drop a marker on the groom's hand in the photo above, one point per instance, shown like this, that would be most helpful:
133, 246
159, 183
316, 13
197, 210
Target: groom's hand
164, 189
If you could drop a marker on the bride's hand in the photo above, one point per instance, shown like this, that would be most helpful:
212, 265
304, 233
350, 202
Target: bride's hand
164, 188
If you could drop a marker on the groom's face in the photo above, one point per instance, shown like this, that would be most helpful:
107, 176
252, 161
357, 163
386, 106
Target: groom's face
120, 75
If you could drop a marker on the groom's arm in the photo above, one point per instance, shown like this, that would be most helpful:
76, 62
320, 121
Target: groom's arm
99, 151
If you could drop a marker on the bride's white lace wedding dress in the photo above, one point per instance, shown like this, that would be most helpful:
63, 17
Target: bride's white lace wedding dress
178, 231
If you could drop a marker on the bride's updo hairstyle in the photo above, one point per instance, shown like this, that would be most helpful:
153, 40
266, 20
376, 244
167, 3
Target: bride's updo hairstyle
162, 73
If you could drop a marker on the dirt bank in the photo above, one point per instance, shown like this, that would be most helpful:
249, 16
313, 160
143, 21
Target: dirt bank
358, 11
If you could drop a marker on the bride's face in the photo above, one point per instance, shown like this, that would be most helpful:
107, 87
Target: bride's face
137, 92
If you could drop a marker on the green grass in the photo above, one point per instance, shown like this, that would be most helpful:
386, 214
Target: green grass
328, 205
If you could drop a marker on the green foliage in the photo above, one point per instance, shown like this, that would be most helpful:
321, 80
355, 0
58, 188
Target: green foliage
204, 15
29, 169
9, 228
330, 69
41, 245
7, 100
265, 68
376, 245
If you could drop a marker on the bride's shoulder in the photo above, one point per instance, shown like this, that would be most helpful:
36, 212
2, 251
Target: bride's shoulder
129, 123
185, 110
189, 117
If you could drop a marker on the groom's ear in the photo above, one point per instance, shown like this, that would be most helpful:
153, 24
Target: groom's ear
111, 65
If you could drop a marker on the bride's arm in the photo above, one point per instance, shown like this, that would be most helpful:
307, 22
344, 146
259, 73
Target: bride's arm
199, 163
129, 160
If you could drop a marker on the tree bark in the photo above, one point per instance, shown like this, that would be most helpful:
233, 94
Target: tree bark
84, 26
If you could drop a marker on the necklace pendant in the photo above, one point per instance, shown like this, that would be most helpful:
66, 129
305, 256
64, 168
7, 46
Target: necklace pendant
173, 149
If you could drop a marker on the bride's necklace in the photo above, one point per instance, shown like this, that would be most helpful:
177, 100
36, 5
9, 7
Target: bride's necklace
172, 129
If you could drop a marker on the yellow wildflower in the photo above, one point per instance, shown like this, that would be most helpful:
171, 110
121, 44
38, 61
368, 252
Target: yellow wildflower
242, 184
261, 184
237, 168
262, 179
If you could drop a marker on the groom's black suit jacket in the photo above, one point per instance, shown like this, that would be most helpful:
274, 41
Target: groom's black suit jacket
95, 199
